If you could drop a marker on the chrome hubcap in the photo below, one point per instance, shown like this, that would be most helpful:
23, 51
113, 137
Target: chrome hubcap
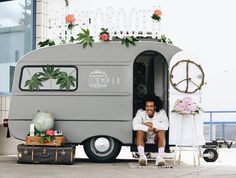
102, 144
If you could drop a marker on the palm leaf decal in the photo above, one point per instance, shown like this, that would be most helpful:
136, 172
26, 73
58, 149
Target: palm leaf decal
49, 73
34, 83
65, 81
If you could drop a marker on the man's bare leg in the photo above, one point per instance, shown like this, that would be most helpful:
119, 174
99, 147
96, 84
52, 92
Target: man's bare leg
161, 142
140, 138
161, 139
140, 146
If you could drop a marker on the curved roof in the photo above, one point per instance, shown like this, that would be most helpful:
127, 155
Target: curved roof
112, 52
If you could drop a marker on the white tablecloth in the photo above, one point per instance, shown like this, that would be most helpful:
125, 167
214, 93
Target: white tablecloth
184, 136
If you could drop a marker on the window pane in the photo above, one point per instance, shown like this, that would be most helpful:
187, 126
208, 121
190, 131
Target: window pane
16, 21
49, 78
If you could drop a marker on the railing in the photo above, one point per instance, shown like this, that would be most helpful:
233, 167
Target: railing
213, 120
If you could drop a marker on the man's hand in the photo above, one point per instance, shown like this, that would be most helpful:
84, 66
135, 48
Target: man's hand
151, 129
149, 124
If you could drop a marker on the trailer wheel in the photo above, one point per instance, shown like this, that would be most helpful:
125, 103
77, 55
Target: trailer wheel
102, 149
212, 155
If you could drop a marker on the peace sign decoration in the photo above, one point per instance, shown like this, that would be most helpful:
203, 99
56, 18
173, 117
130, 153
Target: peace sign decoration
192, 76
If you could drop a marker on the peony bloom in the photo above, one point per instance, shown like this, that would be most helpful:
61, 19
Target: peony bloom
50, 132
187, 100
70, 19
104, 37
157, 12
186, 105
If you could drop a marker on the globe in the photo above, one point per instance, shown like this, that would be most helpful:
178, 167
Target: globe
43, 121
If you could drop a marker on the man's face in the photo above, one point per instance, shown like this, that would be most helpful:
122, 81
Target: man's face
150, 108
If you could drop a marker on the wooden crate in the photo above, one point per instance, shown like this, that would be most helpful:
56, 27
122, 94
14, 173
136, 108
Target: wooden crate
35, 140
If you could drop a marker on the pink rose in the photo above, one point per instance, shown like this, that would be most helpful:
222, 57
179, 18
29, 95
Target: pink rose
157, 12
104, 37
50, 132
70, 19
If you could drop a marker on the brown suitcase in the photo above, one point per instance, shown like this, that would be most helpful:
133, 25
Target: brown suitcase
35, 140
45, 154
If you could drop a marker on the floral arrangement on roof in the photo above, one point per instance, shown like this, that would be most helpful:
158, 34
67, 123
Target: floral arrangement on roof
86, 39
70, 20
186, 105
157, 15
104, 35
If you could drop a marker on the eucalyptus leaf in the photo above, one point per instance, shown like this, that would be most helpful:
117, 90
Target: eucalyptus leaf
41, 139
128, 40
47, 42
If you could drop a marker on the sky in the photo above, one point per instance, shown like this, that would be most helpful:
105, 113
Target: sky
204, 28
207, 29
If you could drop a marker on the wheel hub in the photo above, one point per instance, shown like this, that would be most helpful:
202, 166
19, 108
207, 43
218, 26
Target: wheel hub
102, 144
210, 155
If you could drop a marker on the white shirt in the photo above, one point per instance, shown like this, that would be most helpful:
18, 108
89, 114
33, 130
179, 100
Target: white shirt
159, 120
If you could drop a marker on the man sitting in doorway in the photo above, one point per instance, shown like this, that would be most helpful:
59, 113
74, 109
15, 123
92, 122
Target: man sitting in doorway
151, 123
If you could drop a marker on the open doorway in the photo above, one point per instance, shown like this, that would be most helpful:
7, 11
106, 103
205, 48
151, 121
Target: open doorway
150, 76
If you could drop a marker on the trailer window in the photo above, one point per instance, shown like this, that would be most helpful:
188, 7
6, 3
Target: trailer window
49, 78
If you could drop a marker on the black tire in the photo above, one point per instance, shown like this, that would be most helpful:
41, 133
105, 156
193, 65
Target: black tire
102, 149
213, 155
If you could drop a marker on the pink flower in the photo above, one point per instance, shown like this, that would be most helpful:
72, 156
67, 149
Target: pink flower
178, 105
157, 12
50, 132
104, 37
187, 100
70, 19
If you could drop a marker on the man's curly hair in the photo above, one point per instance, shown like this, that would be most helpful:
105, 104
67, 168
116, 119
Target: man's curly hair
157, 101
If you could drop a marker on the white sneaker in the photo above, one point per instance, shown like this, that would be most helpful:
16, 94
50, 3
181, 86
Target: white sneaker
142, 160
160, 161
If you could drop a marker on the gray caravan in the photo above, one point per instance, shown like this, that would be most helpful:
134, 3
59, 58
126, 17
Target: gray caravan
96, 107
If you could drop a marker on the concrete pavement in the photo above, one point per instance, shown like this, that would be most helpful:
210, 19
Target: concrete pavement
224, 167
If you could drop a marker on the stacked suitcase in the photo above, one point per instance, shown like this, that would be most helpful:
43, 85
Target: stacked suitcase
45, 154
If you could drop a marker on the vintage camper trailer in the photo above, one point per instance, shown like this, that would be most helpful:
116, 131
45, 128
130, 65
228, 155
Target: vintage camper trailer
96, 108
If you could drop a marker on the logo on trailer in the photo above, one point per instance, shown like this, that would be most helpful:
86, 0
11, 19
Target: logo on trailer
98, 79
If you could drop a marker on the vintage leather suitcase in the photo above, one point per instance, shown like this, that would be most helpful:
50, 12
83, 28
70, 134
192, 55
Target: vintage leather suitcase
34, 140
45, 154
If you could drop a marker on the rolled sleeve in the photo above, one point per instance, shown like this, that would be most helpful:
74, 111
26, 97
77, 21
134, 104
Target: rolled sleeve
162, 122
138, 123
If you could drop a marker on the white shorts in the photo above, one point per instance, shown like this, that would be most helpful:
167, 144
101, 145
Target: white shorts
150, 137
